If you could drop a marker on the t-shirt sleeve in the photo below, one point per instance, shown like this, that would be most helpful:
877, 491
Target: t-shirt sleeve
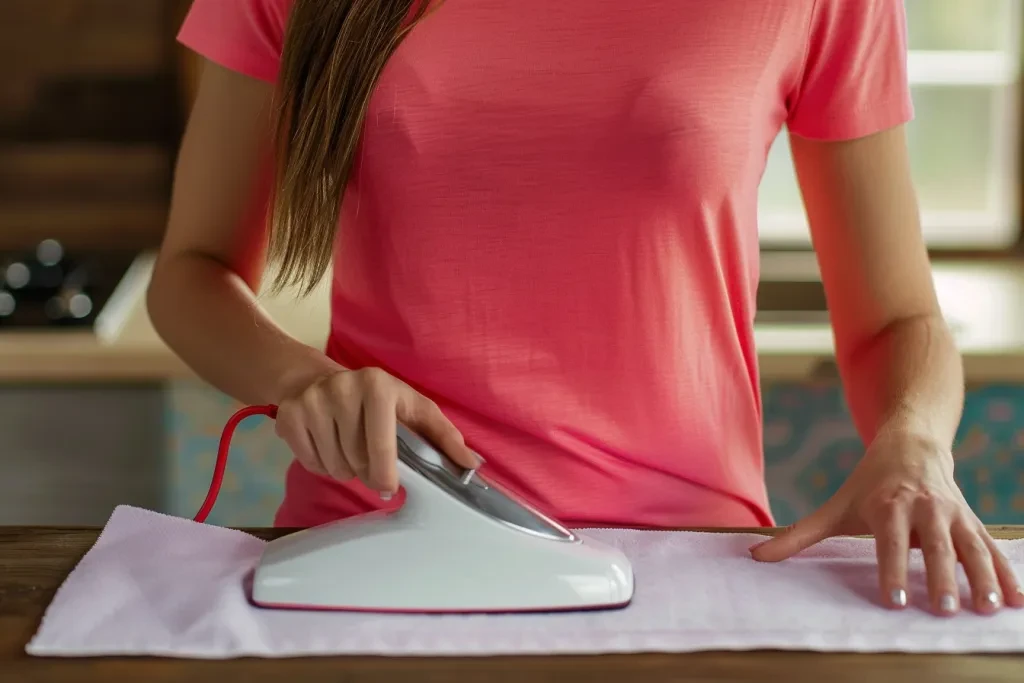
854, 80
242, 35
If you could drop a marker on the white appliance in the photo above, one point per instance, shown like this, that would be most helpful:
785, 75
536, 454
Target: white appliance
458, 544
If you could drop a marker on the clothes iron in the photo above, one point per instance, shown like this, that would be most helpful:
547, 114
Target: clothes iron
458, 544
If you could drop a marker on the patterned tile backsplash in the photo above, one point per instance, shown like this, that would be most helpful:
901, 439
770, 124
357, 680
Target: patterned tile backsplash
810, 447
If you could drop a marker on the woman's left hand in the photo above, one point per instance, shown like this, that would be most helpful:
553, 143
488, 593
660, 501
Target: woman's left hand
903, 492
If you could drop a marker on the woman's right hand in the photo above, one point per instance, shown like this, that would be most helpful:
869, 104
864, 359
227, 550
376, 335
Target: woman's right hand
343, 426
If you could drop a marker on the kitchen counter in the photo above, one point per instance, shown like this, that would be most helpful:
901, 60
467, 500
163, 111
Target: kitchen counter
34, 561
984, 302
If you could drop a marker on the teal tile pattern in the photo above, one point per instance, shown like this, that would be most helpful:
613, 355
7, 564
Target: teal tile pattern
810, 448
254, 477
990, 454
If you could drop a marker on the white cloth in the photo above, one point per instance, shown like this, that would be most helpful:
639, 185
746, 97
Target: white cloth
159, 585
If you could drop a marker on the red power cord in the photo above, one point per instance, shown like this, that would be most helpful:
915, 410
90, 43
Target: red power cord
222, 454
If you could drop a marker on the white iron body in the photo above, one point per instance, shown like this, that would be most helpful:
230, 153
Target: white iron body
442, 553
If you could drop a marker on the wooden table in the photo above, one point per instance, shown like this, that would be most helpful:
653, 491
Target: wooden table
34, 561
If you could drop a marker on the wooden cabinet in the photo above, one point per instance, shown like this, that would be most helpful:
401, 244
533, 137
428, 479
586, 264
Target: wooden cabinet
90, 118
189, 64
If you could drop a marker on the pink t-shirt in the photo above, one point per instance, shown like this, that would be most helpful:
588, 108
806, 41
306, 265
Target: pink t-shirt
552, 231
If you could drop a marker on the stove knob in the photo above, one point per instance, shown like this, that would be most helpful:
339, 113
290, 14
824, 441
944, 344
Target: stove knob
17, 275
54, 309
68, 305
79, 306
48, 266
49, 253
7, 304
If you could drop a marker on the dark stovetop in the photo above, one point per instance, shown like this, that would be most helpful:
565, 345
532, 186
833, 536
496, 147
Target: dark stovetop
49, 288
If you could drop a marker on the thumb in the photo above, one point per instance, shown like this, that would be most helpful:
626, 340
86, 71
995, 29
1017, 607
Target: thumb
800, 536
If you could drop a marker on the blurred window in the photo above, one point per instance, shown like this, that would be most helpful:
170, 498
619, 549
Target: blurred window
964, 68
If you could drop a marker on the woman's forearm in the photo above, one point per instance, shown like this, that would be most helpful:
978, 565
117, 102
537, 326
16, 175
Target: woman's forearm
210, 318
909, 377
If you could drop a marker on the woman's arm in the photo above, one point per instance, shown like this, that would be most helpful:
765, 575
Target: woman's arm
903, 377
895, 353
201, 298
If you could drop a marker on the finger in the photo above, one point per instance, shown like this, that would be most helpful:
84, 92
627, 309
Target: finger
797, 537
977, 562
381, 448
300, 441
892, 548
424, 417
346, 410
1013, 593
939, 561
313, 462
324, 432
352, 436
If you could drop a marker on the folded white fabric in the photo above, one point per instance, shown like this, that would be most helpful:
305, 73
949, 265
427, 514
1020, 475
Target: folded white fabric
159, 585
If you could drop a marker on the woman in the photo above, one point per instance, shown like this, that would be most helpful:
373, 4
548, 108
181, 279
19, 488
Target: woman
548, 253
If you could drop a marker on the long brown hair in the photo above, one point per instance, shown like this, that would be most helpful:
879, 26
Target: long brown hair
334, 52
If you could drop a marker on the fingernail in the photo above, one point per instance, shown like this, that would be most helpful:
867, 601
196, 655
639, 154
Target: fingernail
947, 604
992, 599
385, 495
479, 458
898, 597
